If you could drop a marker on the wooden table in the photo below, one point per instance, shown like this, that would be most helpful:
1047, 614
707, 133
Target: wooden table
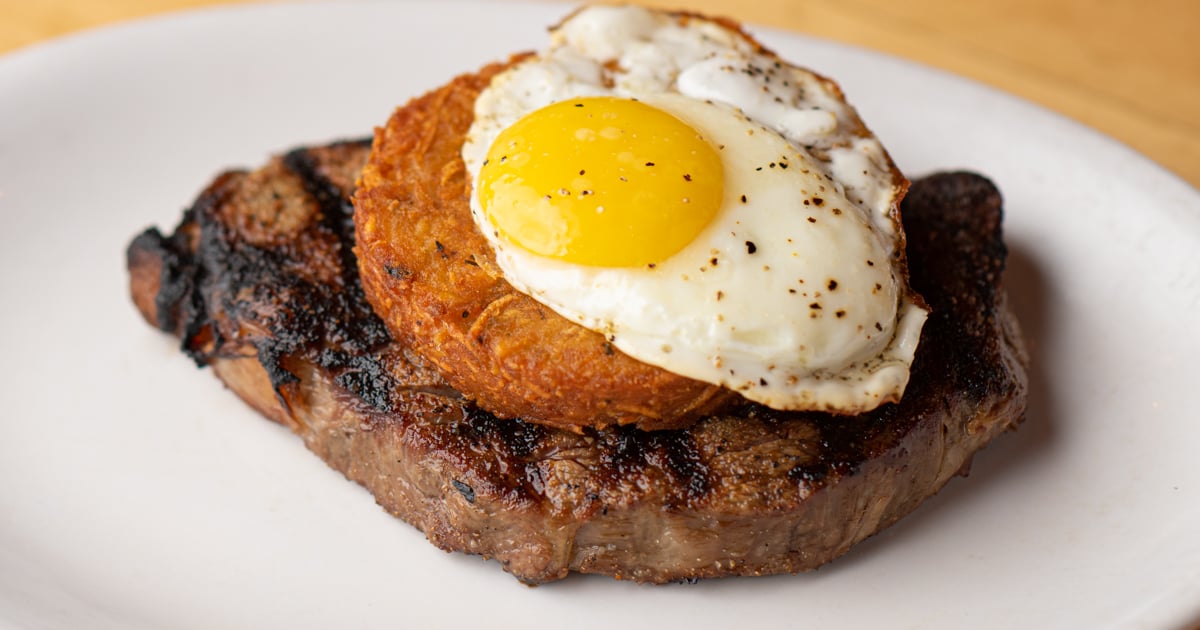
1130, 68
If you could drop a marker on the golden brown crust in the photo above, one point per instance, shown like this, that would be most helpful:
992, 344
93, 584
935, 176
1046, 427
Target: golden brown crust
431, 276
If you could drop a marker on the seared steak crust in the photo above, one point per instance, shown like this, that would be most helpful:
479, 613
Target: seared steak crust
259, 282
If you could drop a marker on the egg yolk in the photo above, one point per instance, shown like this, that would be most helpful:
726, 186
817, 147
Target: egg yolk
600, 181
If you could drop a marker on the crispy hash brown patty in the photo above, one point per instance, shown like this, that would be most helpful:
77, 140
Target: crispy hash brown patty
432, 278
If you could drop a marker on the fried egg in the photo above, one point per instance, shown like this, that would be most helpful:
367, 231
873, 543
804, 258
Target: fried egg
712, 211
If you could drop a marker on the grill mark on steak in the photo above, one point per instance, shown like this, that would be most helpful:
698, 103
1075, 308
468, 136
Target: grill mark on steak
260, 276
625, 451
336, 211
520, 439
265, 293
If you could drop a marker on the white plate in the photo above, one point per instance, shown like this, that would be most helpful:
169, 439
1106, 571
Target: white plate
136, 492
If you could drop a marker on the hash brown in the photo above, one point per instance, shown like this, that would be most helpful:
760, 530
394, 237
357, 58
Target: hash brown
432, 278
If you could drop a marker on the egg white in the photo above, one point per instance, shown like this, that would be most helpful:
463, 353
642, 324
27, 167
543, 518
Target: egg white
791, 295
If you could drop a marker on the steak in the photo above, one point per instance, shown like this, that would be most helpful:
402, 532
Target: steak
259, 282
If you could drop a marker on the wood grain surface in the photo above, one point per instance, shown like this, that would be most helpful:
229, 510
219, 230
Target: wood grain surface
1129, 68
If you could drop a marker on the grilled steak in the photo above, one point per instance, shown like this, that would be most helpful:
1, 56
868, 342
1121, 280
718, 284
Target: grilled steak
260, 283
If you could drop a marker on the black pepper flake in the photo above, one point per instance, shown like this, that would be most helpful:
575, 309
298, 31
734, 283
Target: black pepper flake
837, 211
651, 266
840, 314
878, 287
806, 202
758, 169
792, 291
503, 159
772, 165
878, 327
466, 491
720, 295
713, 261
818, 201
783, 165
687, 177
832, 284
743, 198
870, 263
578, 104
485, 162
608, 348
762, 382
582, 171
816, 306
751, 247
439, 246
649, 163
466, 314
811, 220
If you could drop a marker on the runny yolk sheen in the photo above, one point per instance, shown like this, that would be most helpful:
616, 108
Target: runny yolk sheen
600, 181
